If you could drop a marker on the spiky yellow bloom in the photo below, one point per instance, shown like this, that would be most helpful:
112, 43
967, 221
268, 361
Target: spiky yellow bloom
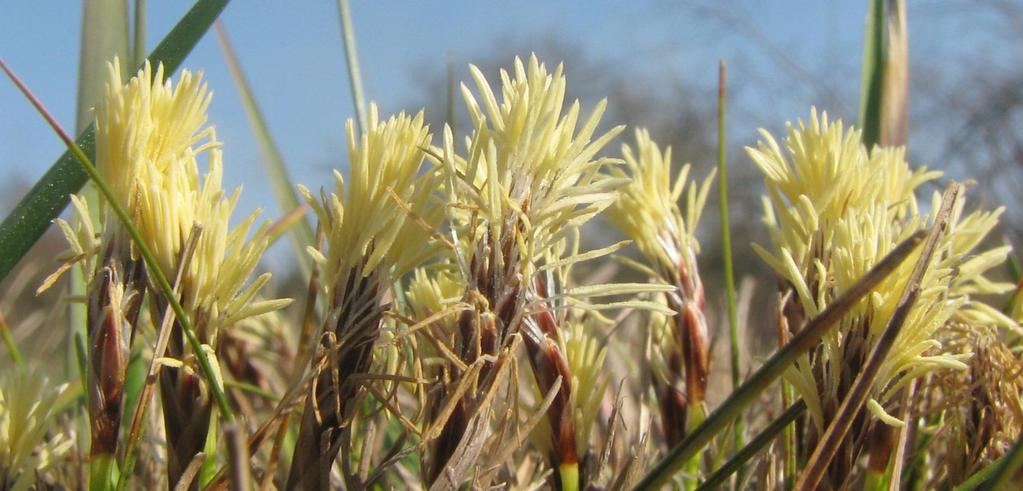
648, 211
150, 134
530, 171
149, 127
28, 404
367, 225
374, 229
586, 354
834, 210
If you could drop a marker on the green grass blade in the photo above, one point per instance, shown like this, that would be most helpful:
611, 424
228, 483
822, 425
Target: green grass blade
1006, 469
352, 57
755, 446
895, 89
50, 195
751, 390
138, 43
872, 79
12, 347
104, 35
283, 186
726, 246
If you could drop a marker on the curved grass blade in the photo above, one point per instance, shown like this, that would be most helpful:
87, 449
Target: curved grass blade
50, 195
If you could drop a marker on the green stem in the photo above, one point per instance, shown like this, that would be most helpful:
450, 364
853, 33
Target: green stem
138, 45
801, 343
352, 57
283, 187
755, 446
726, 246
102, 472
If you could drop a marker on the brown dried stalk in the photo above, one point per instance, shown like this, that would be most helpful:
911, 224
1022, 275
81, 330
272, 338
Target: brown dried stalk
346, 349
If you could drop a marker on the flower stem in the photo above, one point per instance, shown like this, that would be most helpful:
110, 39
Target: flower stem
726, 246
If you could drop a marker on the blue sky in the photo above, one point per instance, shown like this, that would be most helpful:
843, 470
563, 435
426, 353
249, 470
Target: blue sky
293, 56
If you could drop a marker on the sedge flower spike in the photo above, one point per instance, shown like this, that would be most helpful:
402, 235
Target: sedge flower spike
834, 210
28, 405
150, 134
369, 223
532, 172
648, 213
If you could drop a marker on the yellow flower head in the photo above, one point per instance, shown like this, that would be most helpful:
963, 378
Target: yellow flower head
149, 122
149, 136
586, 354
648, 213
834, 213
368, 227
28, 404
529, 168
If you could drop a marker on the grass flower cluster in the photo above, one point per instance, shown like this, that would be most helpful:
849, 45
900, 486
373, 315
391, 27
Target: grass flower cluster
456, 330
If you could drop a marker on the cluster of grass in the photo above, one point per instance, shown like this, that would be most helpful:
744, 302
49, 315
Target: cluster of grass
453, 333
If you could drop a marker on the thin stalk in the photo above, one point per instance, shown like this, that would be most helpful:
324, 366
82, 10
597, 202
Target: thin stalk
758, 443
807, 339
12, 347
788, 395
152, 265
138, 45
104, 36
726, 246
352, 57
859, 392
162, 338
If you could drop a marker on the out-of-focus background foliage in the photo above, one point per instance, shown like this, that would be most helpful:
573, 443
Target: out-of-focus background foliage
656, 61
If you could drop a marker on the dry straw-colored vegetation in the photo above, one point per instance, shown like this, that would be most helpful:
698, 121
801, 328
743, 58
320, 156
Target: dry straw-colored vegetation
456, 333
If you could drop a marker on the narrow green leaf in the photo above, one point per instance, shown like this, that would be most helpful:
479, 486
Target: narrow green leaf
726, 246
104, 37
50, 195
872, 81
352, 57
755, 446
1006, 469
138, 44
